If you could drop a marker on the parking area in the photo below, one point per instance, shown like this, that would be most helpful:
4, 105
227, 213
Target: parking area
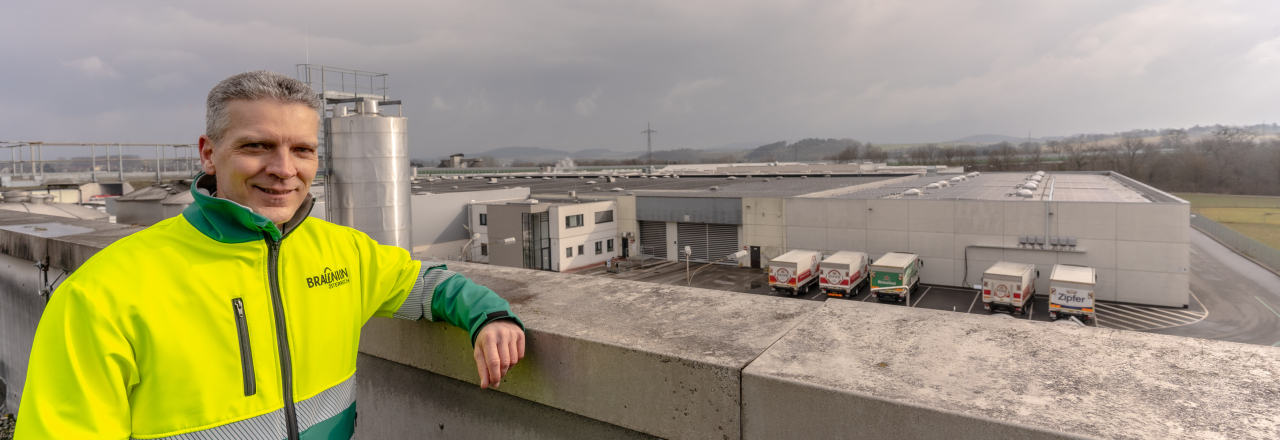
755, 282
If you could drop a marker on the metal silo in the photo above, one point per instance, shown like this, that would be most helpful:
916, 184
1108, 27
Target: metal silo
369, 168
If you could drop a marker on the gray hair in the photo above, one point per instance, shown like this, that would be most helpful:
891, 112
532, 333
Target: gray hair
258, 84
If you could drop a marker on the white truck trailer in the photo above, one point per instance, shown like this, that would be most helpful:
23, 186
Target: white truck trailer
895, 276
843, 273
794, 271
1071, 291
1009, 286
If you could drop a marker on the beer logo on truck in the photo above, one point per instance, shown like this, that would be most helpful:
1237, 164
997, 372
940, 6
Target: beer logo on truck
1002, 290
782, 275
834, 277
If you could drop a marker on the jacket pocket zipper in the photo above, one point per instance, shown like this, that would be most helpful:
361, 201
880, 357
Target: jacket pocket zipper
246, 352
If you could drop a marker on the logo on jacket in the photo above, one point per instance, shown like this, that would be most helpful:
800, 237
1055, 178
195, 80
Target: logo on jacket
331, 278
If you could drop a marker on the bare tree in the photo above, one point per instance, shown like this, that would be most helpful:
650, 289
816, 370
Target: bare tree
1132, 156
487, 161
1076, 153
1033, 155
1002, 157
850, 153
949, 154
874, 153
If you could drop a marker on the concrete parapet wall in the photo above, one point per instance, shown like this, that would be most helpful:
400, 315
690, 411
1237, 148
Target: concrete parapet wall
621, 359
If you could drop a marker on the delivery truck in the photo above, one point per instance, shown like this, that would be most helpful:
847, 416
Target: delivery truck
1071, 291
1009, 286
794, 271
895, 275
843, 273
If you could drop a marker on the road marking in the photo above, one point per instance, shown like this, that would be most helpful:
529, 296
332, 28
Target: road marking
1140, 318
869, 294
1264, 304
975, 301
926, 292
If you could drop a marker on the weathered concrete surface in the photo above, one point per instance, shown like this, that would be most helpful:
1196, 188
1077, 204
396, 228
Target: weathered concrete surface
396, 401
663, 360
66, 252
899, 372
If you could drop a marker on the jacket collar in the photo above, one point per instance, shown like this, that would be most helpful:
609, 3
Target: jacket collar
226, 221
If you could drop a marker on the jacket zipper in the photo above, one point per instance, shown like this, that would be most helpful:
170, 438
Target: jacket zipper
282, 337
246, 351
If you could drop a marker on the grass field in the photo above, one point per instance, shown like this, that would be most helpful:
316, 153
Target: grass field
1254, 216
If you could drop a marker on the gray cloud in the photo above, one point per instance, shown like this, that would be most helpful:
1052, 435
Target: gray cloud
484, 74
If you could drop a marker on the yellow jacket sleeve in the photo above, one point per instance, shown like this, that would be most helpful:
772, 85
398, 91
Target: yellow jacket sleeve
81, 370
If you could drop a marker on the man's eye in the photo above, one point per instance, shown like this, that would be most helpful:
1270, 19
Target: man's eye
255, 146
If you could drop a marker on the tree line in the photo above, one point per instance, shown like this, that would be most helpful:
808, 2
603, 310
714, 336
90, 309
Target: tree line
1229, 160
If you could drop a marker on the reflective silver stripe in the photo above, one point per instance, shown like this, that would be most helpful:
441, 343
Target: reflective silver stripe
328, 403
270, 426
418, 304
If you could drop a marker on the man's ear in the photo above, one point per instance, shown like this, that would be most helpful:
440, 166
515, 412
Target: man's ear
206, 155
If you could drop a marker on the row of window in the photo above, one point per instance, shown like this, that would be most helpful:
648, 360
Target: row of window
601, 247
571, 221
574, 221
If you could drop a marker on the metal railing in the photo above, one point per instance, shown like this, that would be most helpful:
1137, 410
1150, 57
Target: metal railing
1259, 251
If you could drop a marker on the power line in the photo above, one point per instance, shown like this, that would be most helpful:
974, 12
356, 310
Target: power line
648, 132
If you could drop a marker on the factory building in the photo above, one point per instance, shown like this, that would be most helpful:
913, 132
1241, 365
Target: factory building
1134, 235
560, 235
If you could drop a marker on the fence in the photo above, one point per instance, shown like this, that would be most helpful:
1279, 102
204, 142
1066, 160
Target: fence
1260, 252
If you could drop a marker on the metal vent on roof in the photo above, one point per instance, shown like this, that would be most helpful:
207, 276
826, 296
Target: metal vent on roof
1024, 193
912, 192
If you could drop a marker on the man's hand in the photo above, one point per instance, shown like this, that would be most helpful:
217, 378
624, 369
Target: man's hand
498, 347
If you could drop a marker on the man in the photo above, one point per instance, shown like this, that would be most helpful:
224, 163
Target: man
241, 317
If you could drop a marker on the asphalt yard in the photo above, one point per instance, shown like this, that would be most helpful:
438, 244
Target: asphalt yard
755, 282
1188, 321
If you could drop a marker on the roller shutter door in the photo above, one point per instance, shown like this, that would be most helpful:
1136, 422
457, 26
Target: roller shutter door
653, 239
710, 242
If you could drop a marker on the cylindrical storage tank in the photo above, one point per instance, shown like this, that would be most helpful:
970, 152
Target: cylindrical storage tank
369, 154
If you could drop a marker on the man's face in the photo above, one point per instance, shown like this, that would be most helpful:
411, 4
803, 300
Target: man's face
267, 158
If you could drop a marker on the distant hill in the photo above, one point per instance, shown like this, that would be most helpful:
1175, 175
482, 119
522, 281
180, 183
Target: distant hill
988, 139
519, 152
736, 146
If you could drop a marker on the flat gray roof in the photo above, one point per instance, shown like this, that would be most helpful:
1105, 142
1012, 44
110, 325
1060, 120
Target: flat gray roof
686, 186
1004, 186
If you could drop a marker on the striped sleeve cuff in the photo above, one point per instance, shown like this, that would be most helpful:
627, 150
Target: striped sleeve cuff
418, 304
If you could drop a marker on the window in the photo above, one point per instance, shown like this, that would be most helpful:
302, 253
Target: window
573, 221
484, 219
599, 248
568, 252
581, 250
604, 216
610, 244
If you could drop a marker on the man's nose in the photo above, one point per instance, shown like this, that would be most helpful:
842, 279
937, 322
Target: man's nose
280, 163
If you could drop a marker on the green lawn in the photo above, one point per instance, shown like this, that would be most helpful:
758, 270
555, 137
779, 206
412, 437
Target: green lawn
1254, 216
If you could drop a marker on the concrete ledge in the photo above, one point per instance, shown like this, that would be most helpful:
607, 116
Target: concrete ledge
877, 371
396, 401
663, 360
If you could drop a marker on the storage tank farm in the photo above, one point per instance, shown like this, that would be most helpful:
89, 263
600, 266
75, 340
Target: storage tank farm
369, 168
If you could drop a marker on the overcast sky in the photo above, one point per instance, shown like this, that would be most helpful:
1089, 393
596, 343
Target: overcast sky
482, 74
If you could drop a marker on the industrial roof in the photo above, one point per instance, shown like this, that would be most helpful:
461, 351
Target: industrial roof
1073, 274
1007, 269
1005, 186
700, 186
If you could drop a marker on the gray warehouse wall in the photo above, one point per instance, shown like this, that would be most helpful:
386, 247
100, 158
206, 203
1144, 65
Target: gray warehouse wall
690, 209
439, 218
1141, 250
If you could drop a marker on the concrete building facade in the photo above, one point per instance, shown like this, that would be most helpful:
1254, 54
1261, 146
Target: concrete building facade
549, 235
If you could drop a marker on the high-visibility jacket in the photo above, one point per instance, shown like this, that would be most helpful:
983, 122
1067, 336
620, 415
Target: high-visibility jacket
215, 324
